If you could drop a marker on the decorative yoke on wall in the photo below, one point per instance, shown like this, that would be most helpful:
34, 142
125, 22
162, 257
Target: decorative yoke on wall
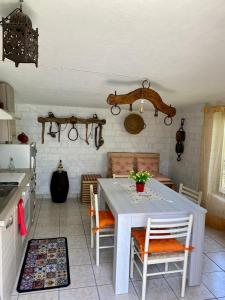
142, 93
73, 133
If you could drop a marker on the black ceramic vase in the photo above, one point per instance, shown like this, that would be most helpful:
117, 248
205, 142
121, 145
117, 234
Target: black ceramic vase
59, 186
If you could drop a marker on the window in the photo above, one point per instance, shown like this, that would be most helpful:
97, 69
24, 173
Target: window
222, 179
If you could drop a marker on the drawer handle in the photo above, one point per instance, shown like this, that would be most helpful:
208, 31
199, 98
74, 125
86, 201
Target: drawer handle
10, 222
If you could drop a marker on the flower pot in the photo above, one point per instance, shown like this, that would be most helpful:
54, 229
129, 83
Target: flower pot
140, 187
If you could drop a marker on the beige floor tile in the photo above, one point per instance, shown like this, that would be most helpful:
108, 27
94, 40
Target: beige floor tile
76, 242
218, 258
212, 246
103, 273
81, 276
47, 214
47, 230
156, 289
71, 230
217, 235
192, 293
53, 220
86, 219
106, 292
88, 293
71, 220
106, 255
69, 207
215, 282
151, 269
47, 227
88, 238
53, 295
87, 228
84, 211
79, 257
209, 265
49, 204
46, 235
69, 212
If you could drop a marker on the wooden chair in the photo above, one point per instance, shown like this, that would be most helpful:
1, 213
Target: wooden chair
120, 176
102, 224
159, 244
192, 195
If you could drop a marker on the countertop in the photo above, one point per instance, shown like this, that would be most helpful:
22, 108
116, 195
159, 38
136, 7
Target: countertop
15, 196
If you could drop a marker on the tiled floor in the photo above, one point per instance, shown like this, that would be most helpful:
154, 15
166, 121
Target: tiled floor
89, 282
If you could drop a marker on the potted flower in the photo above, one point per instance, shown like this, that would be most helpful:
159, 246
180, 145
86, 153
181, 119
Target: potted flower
141, 178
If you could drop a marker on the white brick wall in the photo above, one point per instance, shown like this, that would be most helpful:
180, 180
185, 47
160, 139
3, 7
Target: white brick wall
79, 158
187, 170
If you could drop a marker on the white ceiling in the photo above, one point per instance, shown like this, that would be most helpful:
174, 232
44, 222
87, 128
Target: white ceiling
86, 46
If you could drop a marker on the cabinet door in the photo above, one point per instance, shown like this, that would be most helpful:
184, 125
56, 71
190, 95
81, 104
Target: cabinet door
7, 128
18, 241
8, 255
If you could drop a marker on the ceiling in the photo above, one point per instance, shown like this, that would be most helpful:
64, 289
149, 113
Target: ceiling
90, 48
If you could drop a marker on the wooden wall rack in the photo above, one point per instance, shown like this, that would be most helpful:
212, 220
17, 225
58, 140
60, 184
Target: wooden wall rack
68, 120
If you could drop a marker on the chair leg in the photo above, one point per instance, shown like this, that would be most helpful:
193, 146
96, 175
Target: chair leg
144, 279
132, 258
92, 236
166, 267
97, 248
184, 277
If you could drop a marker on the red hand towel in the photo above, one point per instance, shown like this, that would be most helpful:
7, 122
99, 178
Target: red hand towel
21, 219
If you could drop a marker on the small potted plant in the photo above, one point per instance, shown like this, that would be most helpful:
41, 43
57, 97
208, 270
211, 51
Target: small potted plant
141, 178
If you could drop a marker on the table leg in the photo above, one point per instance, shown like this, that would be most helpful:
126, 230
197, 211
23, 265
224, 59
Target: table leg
102, 204
195, 263
121, 254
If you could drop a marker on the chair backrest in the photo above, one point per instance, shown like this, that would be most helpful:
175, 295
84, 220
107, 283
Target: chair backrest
173, 228
192, 195
94, 205
120, 176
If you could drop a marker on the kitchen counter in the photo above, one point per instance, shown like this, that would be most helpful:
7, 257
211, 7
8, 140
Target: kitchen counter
15, 194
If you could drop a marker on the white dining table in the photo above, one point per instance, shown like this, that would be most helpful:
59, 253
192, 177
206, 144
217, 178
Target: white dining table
131, 209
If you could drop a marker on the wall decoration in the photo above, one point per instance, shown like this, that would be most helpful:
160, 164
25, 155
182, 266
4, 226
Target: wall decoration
73, 133
142, 93
20, 40
180, 137
134, 123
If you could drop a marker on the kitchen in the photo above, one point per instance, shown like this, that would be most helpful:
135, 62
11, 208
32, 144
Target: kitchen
80, 109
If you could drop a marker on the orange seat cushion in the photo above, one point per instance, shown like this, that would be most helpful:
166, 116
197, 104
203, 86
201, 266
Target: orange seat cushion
156, 246
106, 219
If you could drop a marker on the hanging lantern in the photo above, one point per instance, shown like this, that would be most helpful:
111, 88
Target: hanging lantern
20, 40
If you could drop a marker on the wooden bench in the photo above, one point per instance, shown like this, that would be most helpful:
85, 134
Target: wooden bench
133, 158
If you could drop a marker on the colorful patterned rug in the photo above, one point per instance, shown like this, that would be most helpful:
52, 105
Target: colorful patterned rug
45, 266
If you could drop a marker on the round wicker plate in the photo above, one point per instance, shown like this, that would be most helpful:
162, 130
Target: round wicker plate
134, 123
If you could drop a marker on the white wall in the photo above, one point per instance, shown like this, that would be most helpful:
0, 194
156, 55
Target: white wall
187, 170
79, 158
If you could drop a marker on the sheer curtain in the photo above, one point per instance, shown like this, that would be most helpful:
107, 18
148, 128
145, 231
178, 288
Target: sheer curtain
211, 161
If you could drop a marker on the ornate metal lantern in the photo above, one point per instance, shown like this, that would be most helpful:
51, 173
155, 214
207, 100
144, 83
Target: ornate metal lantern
20, 40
